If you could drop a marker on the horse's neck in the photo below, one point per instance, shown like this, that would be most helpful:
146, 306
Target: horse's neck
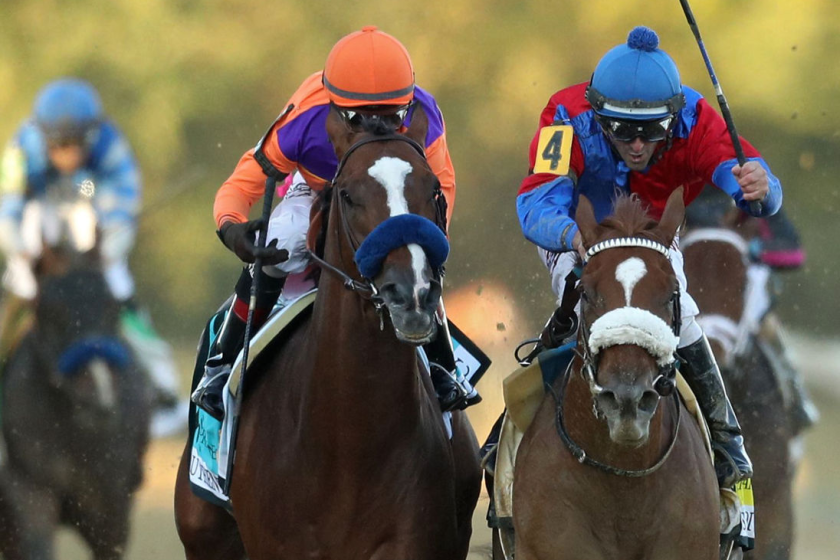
360, 371
592, 434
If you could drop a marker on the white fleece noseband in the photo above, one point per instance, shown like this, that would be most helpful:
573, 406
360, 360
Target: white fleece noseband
631, 325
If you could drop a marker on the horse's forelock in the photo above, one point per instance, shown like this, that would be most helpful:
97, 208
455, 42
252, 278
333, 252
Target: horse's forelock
630, 218
377, 126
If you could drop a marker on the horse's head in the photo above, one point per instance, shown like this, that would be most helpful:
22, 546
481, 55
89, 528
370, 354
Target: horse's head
387, 220
717, 260
77, 326
630, 313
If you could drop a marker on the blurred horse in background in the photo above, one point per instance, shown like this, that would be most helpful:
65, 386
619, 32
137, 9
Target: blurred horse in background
75, 407
342, 449
717, 268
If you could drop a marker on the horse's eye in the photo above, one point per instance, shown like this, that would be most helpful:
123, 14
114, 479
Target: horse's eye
346, 197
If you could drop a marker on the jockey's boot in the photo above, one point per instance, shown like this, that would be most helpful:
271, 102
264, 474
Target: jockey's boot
228, 343
703, 376
217, 368
453, 390
154, 356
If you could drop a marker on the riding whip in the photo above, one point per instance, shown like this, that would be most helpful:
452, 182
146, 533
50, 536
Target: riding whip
272, 175
755, 205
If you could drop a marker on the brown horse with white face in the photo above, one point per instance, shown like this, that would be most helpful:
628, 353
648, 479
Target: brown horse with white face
607, 470
343, 452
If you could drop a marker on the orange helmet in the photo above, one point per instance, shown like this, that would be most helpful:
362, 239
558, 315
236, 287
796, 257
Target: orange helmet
369, 67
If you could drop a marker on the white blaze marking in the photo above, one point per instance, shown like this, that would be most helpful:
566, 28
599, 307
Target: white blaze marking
628, 274
103, 383
390, 172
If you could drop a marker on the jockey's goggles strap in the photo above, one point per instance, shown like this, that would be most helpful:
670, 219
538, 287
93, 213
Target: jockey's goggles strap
619, 242
599, 101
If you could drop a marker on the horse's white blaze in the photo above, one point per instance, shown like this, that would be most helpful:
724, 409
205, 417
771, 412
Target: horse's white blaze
103, 382
628, 275
390, 172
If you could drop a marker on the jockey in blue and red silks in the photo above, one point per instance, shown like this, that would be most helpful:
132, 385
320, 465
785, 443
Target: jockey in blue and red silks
69, 150
636, 129
368, 75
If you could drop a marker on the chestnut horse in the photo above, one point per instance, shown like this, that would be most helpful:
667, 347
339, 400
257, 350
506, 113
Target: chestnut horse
607, 470
342, 449
716, 266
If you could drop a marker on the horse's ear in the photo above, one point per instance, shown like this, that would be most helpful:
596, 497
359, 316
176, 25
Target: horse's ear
419, 125
586, 222
341, 135
673, 216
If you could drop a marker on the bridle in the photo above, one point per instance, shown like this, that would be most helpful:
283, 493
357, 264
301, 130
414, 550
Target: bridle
664, 383
365, 287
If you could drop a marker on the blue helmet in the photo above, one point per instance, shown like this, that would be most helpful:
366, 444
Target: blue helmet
636, 81
68, 110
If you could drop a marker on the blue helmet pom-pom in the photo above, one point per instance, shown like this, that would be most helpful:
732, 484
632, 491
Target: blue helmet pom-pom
643, 39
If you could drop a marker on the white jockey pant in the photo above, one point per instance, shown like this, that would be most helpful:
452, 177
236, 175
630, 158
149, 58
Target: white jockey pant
44, 223
561, 264
289, 224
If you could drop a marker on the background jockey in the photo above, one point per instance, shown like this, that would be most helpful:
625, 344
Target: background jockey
775, 247
635, 128
67, 146
368, 76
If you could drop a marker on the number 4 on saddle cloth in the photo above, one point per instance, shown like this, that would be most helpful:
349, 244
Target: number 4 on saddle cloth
210, 438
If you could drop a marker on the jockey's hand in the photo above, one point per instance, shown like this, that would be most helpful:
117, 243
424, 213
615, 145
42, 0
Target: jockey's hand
752, 178
240, 238
577, 243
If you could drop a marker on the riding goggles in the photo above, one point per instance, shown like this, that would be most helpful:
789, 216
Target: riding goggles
356, 119
628, 130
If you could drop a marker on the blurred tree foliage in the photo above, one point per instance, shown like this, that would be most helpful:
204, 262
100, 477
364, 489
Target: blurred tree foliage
194, 83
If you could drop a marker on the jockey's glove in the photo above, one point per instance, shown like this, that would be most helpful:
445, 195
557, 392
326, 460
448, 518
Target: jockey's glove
241, 239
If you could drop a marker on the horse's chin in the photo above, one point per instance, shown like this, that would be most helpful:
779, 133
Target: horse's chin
413, 338
413, 327
629, 435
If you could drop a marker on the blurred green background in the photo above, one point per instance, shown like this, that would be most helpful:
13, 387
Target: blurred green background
194, 84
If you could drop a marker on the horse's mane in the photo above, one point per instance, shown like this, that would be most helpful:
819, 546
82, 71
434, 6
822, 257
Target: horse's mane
630, 217
323, 202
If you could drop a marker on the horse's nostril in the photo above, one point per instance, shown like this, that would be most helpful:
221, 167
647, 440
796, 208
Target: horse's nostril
649, 401
395, 294
608, 400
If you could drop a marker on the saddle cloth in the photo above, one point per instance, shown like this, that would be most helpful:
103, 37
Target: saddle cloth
524, 391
